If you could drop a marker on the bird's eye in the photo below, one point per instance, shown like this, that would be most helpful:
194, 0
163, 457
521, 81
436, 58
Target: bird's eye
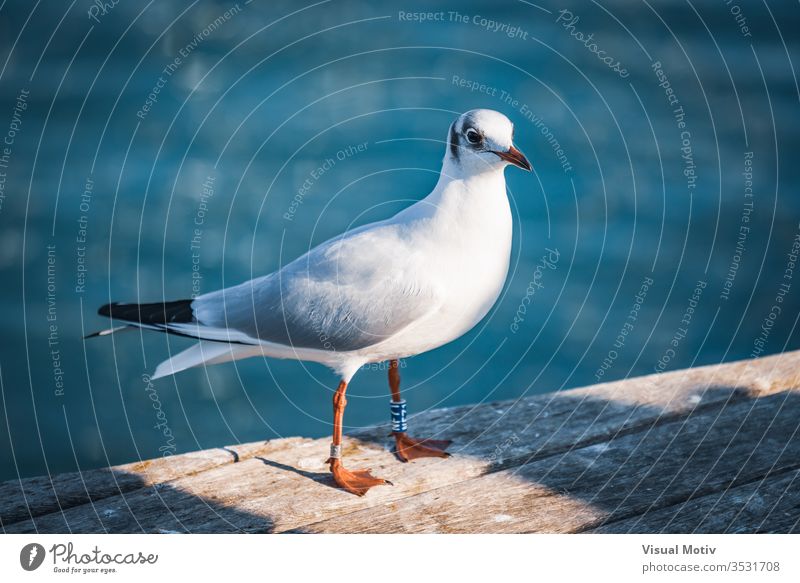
473, 137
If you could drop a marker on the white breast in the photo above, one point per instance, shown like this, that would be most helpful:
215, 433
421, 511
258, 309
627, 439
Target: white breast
467, 246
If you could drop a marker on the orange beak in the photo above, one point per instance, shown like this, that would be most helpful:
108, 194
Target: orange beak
516, 158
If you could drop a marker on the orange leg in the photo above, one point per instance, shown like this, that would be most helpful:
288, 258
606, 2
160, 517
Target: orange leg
408, 448
359, 481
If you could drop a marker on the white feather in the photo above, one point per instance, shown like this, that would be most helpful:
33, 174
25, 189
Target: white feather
202, 353
384, 291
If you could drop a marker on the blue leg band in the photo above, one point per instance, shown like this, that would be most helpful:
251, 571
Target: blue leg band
398, 408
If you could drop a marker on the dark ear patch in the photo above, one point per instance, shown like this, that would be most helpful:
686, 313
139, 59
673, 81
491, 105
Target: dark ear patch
453, 141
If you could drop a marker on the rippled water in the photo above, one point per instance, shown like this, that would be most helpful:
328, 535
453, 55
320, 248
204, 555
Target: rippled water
161, 150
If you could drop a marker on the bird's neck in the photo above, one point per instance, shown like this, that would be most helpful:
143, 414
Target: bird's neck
467, 189
464, 198
469, 169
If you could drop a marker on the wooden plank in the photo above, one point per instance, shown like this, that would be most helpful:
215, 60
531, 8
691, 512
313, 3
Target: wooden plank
31, 497
768, 505
216, 500
290, 487
586, 487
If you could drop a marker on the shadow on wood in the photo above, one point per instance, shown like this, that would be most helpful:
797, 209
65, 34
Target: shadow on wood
125, 502
713, 449
650, 477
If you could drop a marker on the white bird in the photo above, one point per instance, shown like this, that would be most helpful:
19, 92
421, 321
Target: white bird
385, 291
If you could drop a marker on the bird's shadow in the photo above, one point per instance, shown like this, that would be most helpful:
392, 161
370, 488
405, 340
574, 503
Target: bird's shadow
656, 463
324, 478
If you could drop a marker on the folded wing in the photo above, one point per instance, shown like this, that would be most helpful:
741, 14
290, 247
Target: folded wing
347, 294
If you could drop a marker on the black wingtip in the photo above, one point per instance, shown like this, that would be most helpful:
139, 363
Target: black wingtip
157, 313
105, 310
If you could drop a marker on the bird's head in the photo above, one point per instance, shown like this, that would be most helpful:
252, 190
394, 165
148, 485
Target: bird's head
482, 139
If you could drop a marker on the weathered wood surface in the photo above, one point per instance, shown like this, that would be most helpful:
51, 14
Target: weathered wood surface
767, 505
21, 499
711, 449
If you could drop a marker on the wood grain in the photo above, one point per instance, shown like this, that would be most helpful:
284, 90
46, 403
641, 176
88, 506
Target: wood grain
589, 486
571, 461
31, 497
765, 505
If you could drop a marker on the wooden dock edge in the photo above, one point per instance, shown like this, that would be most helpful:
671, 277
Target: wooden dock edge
708, 449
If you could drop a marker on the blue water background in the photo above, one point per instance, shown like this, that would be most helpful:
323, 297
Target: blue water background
259, 104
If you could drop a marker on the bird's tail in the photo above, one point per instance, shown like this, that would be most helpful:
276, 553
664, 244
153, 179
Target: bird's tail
216, 345
204, 352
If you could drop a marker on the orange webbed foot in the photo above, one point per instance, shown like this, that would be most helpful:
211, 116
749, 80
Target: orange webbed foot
409, 448
356, 482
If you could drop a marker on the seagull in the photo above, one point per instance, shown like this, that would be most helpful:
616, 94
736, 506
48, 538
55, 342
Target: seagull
379, 293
